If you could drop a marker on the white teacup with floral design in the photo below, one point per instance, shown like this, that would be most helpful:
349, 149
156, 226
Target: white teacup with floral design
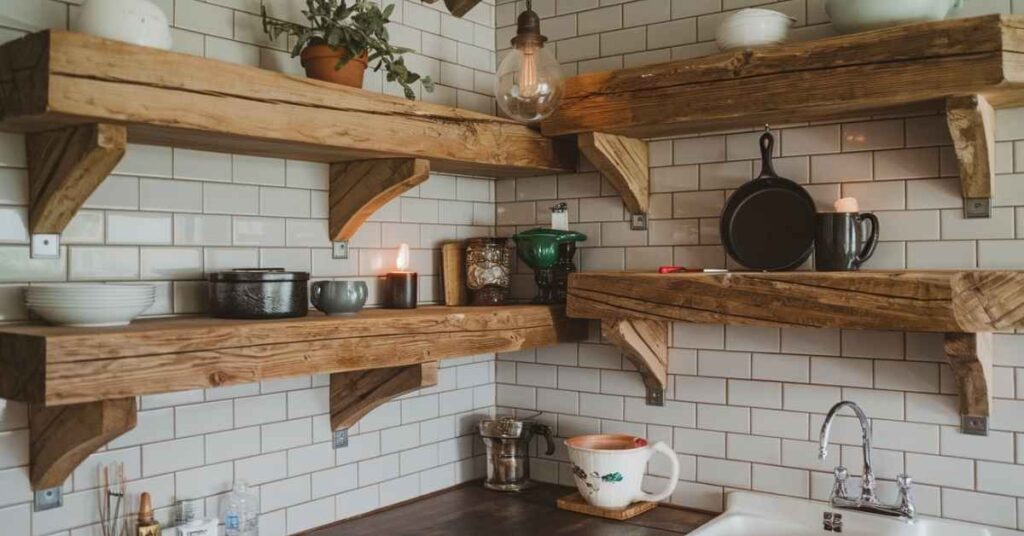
609, 469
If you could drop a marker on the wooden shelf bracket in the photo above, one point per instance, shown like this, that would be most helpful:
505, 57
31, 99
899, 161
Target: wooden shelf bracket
971, 122
359, 188
356, 393
61, 437
645, 343
624, 162
970, 356
65, 167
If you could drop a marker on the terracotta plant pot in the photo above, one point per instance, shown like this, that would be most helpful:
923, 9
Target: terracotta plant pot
319, 62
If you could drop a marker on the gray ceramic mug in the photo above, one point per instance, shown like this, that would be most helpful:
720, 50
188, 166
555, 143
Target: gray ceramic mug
338, 297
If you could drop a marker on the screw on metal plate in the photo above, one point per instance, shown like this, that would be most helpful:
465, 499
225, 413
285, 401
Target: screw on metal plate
638, 222
48, 499
45, 246
974, 425
339, 249
341, 438
977, 207
655, 397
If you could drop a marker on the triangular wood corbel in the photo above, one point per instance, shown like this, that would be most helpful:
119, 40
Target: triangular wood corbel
354, 394
972, 123
970, 357
65, 167
359, 188
61, 437
624, 162
645, 343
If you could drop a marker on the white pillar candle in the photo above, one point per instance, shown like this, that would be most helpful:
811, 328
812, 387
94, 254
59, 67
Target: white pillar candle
847, 204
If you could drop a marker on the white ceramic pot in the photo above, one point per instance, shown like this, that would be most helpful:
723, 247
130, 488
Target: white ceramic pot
750, 28
138, 22
609, 469
850, 16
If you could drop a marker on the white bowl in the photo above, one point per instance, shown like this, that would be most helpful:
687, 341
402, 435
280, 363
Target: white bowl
84, 316
140, 22
750, 28
850, 16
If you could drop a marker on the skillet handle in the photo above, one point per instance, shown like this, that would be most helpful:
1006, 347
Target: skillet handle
872, 241
767, 145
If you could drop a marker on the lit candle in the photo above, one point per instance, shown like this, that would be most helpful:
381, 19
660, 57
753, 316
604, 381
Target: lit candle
400, 288
847, 204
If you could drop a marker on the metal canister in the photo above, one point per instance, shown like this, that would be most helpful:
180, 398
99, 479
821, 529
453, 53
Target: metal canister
508, 451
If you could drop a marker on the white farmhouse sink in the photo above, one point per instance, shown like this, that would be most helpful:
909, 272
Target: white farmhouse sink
757, 514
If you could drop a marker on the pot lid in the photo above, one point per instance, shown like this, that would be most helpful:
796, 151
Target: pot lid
258, 275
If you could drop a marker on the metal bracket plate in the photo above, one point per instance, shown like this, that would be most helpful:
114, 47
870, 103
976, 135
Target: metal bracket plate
48, 499
340, 438
339, 249
974, 425
655, 397
977, 207
638, 222
45, 246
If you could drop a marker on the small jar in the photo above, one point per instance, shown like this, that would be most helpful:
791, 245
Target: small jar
488, 270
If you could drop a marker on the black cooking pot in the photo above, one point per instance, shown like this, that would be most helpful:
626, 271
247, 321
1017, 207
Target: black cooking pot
259, 293
768, 223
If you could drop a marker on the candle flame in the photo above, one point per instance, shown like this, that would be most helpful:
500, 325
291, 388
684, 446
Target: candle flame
403, 257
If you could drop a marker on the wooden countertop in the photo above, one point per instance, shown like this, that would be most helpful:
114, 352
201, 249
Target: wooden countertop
471, 510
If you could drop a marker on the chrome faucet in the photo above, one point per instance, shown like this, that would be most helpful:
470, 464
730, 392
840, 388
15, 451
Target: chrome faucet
868, 500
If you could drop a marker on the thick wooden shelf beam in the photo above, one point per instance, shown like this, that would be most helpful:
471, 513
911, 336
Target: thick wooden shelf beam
917, 65
964, 305
56, 79
972, 125
59, 365
356, 393
935, 301
358, 189
645, 343
962, 66
624, 162
65, 166
62, 437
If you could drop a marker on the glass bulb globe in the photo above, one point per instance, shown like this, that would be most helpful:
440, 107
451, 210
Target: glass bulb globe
529, 83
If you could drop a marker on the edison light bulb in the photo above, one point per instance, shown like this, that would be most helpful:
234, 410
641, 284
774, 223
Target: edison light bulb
528, 85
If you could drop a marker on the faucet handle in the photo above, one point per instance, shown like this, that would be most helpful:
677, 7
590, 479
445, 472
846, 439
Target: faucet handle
904, 482
839, 487
904, 501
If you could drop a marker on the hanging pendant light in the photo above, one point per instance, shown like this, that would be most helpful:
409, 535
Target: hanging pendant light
529, 81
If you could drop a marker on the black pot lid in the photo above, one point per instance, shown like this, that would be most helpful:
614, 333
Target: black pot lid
258, 275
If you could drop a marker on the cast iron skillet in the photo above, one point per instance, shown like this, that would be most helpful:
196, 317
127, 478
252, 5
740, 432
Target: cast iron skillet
768, 223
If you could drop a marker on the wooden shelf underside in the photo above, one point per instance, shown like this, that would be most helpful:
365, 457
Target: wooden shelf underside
963, 66
964, 305
81, 383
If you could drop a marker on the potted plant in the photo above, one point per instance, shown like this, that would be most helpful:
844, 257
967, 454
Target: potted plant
342, 39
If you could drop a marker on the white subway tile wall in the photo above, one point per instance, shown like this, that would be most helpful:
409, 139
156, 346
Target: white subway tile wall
744, 405
170, 215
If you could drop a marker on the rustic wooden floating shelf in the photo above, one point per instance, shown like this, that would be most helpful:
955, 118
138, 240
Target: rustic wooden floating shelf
963, 66
80, 98
965, 305
81, 383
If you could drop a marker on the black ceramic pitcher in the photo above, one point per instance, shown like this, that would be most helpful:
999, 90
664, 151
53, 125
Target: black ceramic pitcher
841, 242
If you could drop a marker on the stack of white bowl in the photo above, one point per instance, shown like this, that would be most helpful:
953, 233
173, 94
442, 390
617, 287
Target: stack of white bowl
92, 305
